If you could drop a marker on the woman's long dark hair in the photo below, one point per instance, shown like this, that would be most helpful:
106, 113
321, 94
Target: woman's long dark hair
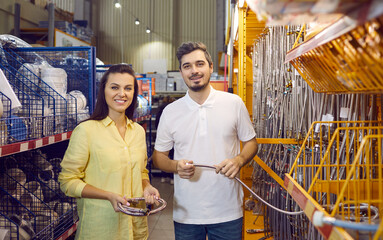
101, 110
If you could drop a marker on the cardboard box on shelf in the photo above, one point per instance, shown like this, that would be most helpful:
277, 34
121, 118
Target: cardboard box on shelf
64, 15
160, 82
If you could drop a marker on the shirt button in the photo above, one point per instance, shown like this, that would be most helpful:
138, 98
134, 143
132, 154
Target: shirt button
125, 148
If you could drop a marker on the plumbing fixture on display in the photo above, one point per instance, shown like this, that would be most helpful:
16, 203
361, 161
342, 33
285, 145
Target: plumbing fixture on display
286, 107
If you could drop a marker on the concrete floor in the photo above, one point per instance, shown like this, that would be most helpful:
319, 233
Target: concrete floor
161, 224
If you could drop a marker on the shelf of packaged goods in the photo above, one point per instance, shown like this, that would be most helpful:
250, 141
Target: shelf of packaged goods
143, 118
176, 94
19, 147
40, 35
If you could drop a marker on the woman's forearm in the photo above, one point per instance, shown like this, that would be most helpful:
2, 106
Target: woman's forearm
90, 191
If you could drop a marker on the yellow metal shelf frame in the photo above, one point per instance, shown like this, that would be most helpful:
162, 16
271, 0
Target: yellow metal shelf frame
350, 63
338, 171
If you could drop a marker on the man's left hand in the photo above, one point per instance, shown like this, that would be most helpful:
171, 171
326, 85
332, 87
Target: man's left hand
229, 167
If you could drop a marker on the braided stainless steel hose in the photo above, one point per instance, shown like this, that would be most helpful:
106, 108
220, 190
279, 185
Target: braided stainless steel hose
251, 191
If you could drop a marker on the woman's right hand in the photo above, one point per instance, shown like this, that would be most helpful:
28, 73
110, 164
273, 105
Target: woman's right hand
90, 191
114, 199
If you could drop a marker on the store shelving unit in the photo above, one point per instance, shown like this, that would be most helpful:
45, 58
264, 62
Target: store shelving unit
322, 62
46, 213
19, 147
61, 38
249, 29
348, 53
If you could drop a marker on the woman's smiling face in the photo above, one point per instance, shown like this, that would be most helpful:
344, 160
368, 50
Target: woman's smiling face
119, 92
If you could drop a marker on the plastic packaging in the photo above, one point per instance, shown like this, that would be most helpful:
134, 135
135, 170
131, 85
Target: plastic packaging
143, 106
76, 100
6, 89
1, 108
31, 72
12, 41
56, 78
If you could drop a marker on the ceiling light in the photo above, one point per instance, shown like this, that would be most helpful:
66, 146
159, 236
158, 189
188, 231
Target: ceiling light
147, 30
137, 22
117, 4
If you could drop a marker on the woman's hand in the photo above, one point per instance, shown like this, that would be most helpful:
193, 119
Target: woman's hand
114, 199
90, 191
151, 194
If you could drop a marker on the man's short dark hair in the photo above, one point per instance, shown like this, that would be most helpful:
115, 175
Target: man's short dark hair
188, 47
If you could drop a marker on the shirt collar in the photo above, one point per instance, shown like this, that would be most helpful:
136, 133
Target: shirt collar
107, 121
208, 102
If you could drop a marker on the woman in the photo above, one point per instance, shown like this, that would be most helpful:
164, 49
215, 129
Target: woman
105, 162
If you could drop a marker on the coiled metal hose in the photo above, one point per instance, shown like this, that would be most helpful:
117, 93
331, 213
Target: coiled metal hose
252, 192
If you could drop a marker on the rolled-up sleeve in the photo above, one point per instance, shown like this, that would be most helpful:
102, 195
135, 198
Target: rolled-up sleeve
74, 162
145, 173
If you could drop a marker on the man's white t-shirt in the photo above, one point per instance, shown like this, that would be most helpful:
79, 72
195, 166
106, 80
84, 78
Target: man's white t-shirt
206, 134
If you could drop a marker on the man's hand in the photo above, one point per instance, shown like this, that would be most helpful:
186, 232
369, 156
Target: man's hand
185, 169
230, 167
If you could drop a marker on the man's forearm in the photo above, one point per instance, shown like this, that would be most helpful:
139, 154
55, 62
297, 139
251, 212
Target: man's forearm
249, 150
163, 162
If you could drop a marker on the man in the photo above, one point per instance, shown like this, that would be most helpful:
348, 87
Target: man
205, 127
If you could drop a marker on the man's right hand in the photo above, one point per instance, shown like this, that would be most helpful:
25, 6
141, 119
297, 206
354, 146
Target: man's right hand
185, 169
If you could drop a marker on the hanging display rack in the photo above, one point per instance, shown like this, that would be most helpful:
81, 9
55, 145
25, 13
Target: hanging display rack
346, 56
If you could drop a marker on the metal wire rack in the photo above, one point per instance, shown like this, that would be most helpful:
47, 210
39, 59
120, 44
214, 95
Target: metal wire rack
338, 171
7, 104
32, 206
27, 122
25, 76
278, 225
46, 108
78, 63
349, 63
361, 196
